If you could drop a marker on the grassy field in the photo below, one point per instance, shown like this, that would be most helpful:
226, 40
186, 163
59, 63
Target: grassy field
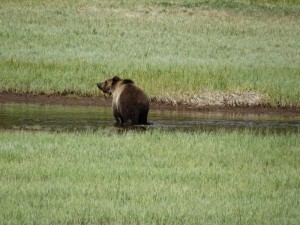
174, 49
148, 178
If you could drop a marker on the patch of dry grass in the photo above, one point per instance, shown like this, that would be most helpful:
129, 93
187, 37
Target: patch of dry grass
209, 98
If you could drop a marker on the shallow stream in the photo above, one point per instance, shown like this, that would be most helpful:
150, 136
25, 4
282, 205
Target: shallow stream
81, 118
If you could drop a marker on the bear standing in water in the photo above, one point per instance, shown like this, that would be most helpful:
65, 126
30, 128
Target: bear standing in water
130, 104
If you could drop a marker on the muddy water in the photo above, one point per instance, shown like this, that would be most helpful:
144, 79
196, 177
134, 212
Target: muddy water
72, 118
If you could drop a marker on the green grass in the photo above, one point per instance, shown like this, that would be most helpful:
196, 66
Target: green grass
152, 177
170, 48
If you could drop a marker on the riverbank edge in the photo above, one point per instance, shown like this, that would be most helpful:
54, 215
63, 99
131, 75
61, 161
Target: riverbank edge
156, 103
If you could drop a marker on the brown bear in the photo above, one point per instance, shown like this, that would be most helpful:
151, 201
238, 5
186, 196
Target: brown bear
130, 104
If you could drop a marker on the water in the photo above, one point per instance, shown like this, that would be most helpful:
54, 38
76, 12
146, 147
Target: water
80, 118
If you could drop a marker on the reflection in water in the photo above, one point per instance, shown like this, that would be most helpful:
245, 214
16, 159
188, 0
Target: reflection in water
72, 118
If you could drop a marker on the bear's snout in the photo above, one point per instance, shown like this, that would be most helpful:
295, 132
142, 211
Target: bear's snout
99, 85
103, 88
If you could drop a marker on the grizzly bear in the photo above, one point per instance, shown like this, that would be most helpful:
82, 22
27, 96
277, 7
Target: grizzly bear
130, 104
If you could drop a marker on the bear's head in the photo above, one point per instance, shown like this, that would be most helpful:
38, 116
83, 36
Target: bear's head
109, 85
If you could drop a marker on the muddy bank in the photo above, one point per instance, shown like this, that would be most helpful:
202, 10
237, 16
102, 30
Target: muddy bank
156, 103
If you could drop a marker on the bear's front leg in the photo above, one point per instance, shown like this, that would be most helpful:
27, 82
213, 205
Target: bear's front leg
117, 115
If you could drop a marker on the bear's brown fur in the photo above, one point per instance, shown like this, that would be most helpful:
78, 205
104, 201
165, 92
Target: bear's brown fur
130, 104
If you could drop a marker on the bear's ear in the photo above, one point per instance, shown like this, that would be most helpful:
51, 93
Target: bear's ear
115, 79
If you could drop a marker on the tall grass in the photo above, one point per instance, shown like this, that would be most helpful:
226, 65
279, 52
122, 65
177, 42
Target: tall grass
149, 178
169, 48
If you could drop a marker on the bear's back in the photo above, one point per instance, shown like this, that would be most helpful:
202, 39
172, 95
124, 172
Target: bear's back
132, 103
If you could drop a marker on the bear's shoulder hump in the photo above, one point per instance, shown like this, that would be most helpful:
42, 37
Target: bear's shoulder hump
127, 81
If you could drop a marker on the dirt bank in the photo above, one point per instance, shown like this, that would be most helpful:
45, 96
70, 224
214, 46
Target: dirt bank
69, 99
